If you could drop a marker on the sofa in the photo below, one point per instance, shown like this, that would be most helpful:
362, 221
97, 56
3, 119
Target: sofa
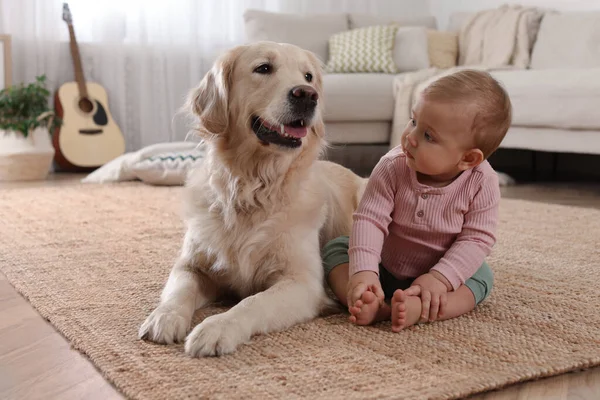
556, 95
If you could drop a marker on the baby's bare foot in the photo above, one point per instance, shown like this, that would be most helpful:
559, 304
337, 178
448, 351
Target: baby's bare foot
406, 310
365, 310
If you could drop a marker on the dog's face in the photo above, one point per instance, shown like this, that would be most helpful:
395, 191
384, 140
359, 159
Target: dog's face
266, 95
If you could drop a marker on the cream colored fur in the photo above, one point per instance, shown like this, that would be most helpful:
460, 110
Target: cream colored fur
256, 215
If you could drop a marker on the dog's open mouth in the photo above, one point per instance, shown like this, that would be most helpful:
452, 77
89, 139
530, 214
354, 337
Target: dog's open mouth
286, 135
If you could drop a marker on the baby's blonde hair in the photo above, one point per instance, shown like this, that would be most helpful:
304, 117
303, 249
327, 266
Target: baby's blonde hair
493, 109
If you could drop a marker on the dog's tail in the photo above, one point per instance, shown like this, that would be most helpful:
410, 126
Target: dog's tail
329, 306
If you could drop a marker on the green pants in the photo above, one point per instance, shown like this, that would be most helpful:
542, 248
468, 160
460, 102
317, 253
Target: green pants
336, 253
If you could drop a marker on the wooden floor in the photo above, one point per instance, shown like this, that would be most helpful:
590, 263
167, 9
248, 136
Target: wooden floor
36, 362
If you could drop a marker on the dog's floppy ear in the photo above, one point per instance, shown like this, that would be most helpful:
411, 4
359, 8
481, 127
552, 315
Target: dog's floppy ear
210, 100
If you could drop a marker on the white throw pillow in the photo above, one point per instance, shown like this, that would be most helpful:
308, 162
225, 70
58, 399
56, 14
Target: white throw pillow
410, 49
145, 164
167, 169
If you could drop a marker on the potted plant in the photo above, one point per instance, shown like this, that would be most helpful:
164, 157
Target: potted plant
26, 120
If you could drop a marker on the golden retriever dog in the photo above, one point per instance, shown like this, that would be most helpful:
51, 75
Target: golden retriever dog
260, 207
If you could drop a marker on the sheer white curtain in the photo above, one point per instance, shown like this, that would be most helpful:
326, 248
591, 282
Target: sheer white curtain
146, 53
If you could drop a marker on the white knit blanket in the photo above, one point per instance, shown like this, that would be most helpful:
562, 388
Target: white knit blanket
499, 37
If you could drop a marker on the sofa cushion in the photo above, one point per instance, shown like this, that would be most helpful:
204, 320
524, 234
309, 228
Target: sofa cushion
556, 98
309, 31
568, 40
358, 20
358, 97
363, 50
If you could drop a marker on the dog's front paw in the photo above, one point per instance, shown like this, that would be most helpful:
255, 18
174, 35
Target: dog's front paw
215, 336
165, 325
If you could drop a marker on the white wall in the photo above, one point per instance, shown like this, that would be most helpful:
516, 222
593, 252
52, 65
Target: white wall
442, 9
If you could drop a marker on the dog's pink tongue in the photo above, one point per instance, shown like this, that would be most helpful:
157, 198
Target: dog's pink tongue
298, 132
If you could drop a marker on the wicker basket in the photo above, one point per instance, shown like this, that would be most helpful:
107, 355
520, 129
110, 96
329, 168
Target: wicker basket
31, 159
25, 166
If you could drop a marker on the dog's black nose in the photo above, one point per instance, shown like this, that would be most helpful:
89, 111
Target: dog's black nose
303, 98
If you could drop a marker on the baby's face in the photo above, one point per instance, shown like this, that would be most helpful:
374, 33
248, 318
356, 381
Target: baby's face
437, 136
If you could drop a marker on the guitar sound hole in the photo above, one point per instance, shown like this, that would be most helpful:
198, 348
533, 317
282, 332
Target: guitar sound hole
85, 105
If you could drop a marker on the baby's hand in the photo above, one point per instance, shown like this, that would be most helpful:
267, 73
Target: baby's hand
360, 283
433, 296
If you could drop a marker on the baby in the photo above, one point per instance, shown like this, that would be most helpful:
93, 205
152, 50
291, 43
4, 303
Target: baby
427, 219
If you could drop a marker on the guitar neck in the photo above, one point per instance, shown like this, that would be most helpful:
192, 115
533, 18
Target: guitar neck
77, 64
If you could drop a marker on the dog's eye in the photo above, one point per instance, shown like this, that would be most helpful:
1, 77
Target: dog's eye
264, 69
308, 77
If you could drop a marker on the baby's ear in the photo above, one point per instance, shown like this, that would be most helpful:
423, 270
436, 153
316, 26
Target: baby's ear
471, 159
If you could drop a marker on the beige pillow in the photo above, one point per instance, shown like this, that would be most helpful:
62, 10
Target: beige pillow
443, 48
363, 50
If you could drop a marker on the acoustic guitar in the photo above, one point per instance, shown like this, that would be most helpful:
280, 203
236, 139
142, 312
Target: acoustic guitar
88, 137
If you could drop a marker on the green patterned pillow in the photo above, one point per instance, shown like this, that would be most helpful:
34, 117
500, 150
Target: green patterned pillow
363, 50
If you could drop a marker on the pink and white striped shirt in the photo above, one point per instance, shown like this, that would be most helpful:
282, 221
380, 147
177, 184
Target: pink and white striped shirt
412, 228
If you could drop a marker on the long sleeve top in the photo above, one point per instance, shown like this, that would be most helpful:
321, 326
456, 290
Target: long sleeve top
411, 228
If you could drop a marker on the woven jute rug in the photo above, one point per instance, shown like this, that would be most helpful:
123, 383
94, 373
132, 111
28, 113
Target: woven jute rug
93, 260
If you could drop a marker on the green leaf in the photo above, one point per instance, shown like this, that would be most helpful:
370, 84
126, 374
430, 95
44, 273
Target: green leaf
21, 106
